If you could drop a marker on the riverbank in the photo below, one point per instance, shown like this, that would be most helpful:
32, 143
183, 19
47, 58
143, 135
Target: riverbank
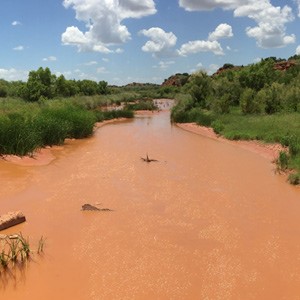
44, 156
269, 151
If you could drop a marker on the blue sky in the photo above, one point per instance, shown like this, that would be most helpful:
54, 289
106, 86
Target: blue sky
121, 41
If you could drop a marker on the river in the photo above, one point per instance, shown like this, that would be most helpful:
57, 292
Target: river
209, 220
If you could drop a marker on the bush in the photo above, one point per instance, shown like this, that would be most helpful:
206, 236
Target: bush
18, 135
294, 179
217, 126
283, 161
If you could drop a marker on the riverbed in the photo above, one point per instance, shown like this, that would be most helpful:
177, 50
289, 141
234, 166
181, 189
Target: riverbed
208, 220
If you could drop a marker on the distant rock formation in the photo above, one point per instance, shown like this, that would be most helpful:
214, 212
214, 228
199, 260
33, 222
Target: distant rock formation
226, 67
176, 80
284, 65
11, 219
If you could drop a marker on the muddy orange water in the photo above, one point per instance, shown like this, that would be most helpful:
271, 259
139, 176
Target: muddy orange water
210, 220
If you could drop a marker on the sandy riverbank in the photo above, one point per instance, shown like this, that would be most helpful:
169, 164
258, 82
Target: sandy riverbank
269, 151
45, 156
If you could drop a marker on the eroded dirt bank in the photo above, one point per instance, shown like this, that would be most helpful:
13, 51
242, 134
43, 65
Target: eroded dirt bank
208, 221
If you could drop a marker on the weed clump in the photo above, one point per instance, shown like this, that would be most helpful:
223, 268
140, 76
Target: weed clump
16, 248
294, 178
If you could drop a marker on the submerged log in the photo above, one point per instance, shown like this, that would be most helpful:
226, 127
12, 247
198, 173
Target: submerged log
147, 159
11, 219
93, 208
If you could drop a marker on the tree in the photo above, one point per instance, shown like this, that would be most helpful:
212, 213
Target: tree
40, 83
200, 88
102, 87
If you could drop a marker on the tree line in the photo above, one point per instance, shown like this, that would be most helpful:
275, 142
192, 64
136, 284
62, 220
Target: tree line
259, 88
43, 84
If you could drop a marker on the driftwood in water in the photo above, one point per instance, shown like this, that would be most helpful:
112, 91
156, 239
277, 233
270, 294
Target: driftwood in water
147, 159
11, 219
94, 208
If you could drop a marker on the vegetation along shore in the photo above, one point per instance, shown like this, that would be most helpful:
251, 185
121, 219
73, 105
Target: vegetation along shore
259, 101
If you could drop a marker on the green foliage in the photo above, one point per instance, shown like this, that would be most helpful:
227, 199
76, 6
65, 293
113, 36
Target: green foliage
217, 126
113, 114
199, 87
283, 161
247, 101
142, 105
102, 87
18, 134
40, 83
294, 178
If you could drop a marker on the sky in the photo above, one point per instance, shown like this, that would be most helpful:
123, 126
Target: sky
124, 41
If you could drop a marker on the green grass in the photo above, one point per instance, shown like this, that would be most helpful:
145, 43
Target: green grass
25, 127
145, 104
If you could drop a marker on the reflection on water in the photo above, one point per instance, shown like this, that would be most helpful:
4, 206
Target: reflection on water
208, 221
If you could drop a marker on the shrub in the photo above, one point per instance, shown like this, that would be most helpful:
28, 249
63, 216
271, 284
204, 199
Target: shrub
18, 135
283, 161
217, 126
294, 178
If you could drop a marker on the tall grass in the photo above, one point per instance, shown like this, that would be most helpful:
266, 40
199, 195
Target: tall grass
16, 249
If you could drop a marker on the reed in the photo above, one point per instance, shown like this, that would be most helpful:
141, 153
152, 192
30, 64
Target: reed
17, 248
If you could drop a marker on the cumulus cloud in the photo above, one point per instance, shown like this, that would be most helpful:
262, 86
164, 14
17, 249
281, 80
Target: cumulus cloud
16, 23
18, 48
193, 47
101, 70
222, 31
271, 20
91, 63
196, 5
298, 50
103, 19
13, 74
163, 65
160, 43
50, 58
270, 31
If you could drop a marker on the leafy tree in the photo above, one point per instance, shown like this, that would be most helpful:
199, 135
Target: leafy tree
102, 87
88, 87
200, 88
40, 83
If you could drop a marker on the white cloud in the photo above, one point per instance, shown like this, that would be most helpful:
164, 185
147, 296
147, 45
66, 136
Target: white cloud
103, 19
13, 74
271, 20
119, 50
270, 31
257, 60
91, 63
193, 47
212, 69
16, 23
50, 58
84, 42
222, 31
196, 5
105, 59
101, 70
298, 50
18, 48
160, 43
163, 65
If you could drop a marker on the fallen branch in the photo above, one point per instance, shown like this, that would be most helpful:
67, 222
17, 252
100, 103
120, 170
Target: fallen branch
148, 160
